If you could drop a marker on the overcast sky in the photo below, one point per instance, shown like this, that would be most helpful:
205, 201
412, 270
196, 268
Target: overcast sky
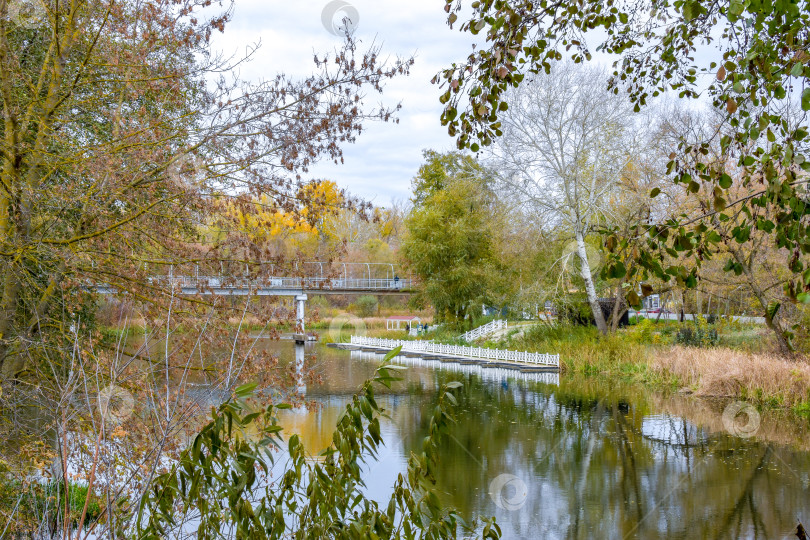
380, 165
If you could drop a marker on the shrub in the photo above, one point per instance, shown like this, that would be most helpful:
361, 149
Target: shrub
642, 331
39, 503
699, 334
366, 305
577, 314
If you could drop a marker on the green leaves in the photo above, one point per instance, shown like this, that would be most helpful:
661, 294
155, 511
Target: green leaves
216, 480
741, 233
633, 299
733, 266
735, 9
772, 310
245, 390
806, 99
766, 225
616, 270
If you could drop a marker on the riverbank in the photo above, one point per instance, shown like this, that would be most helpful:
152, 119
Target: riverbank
732, 362
722, 360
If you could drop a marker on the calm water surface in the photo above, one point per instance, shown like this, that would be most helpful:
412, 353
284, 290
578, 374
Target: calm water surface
575, 459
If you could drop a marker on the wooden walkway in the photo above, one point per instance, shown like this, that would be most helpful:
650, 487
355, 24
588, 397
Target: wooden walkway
487, 373
524, 361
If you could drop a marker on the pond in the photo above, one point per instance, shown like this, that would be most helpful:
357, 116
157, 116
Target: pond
576, 458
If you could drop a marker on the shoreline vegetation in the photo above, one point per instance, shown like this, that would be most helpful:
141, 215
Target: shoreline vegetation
721, 360
724, 360
737, 363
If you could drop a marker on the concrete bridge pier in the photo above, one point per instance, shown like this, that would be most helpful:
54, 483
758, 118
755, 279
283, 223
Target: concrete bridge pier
300, 334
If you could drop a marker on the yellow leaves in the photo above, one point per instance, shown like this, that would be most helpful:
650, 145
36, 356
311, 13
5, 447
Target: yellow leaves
262, 219
322, 199
386, 222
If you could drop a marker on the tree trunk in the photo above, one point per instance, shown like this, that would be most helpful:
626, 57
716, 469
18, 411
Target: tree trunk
618, 306
8, 309
762, 298
590, 289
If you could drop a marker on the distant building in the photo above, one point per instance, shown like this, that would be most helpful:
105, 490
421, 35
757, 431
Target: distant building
652, 302
394, 322
607, 305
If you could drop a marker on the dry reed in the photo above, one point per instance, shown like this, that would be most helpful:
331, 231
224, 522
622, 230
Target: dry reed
728, 373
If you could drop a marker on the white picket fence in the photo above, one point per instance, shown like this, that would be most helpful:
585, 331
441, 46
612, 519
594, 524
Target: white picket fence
494, 373
429, 347
483, 330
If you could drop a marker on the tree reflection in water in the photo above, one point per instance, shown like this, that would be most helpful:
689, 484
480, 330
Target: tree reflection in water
598, 466
597, 460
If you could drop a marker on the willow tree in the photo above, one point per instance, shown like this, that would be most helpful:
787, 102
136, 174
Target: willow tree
449, 243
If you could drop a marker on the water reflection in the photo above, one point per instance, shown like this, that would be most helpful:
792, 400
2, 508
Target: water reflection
579, 460
300, 353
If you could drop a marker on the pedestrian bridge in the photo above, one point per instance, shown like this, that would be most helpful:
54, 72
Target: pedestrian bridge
266, 279
318, 281
484, 330
282, 286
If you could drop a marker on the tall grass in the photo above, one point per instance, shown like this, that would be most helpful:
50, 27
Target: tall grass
643, 355
722, 372
583, 350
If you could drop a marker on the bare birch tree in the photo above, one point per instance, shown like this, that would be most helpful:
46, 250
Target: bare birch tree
564, 146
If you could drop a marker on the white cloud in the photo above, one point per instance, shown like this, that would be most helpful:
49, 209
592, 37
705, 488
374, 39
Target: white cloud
380, 165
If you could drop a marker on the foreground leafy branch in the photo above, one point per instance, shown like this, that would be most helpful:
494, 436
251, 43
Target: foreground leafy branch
748, 59
220, 487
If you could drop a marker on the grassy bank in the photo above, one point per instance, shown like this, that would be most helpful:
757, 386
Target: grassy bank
730, 362
724, 360
36, 504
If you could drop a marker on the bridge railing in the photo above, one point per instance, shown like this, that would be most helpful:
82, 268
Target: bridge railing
430, 347
306, 283
483, 330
